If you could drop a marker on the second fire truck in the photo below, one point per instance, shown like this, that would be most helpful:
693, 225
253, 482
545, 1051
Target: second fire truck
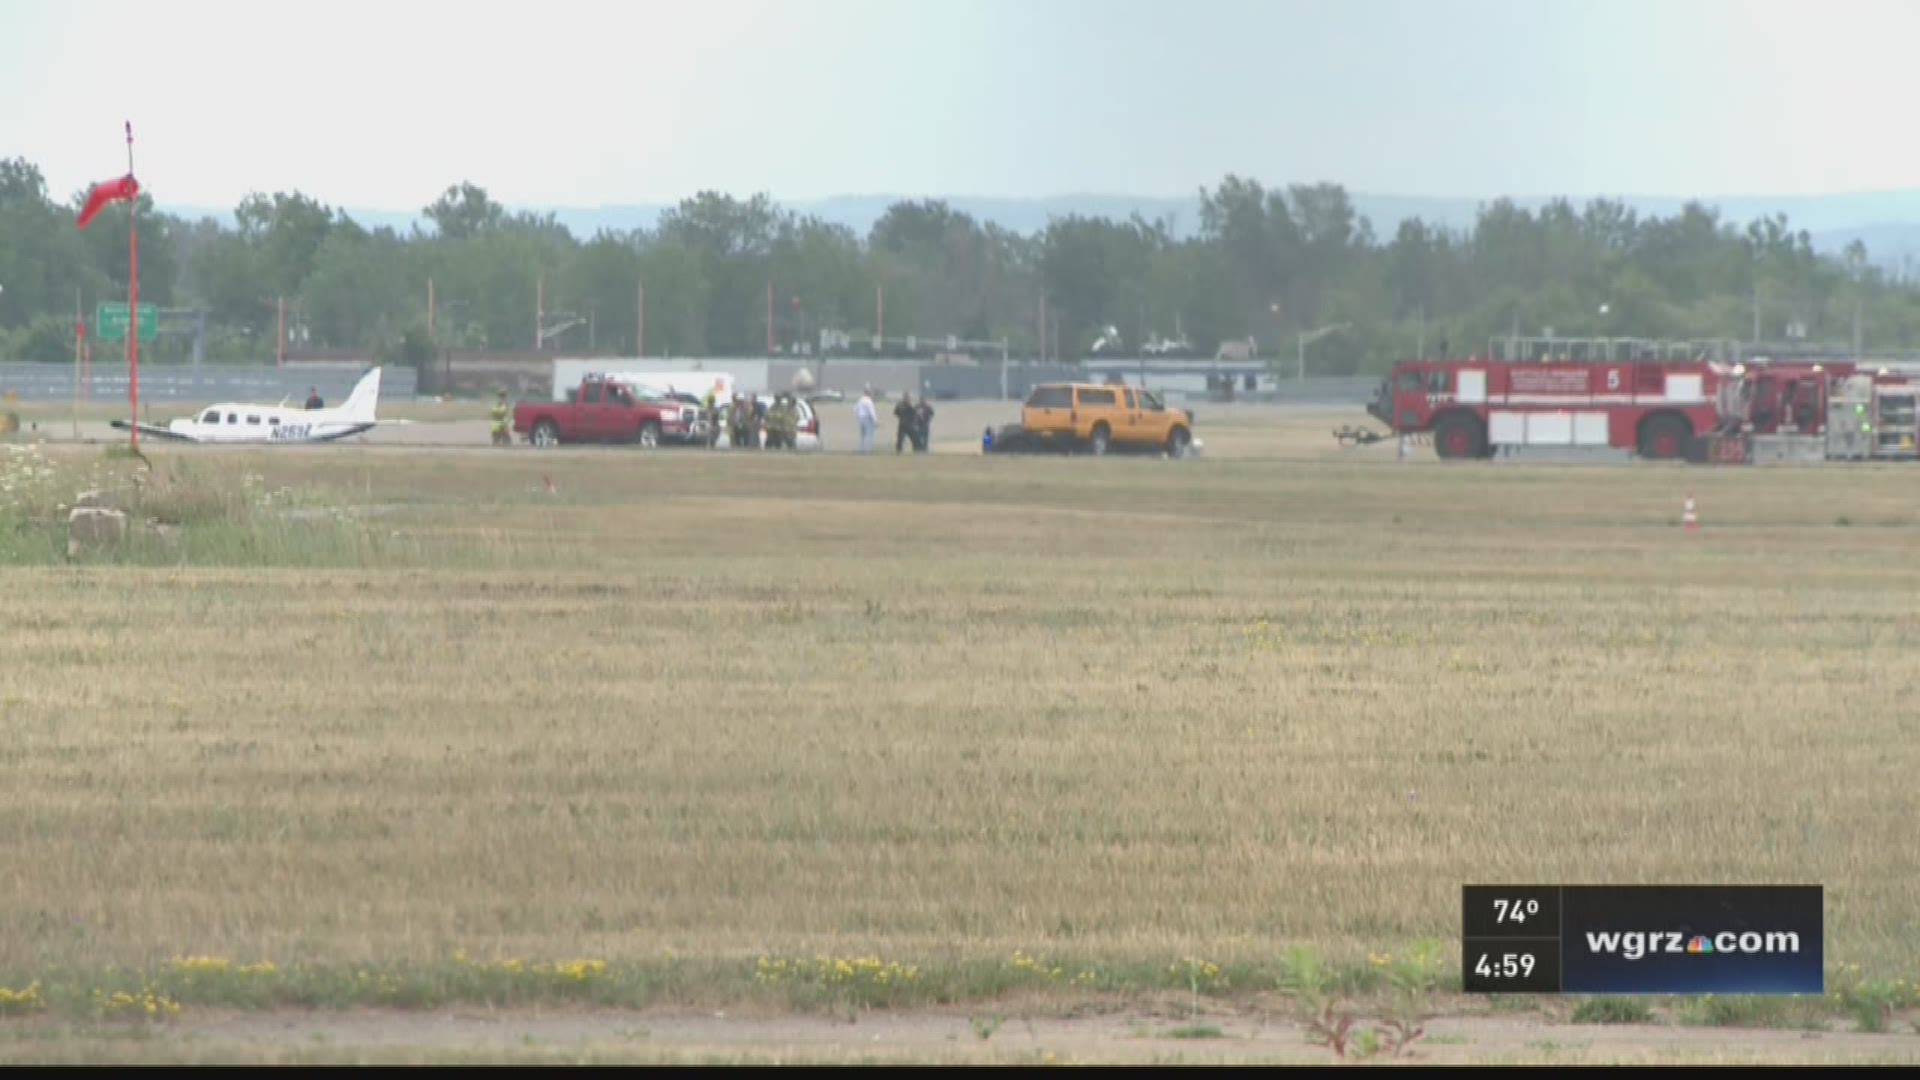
1659, 407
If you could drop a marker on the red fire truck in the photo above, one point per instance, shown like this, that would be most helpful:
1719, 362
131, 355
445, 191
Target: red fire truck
1832, 411
1472, 407
1659, 400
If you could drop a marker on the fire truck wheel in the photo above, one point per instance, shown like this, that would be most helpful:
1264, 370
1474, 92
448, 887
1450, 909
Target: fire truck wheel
1664, 437
1459, 437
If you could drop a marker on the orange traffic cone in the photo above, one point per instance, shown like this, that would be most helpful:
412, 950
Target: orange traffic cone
1687, 517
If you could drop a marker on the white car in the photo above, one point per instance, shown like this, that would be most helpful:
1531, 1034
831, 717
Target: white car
807, 438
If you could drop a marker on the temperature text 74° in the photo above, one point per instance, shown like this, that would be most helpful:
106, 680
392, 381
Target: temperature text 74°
1515, 911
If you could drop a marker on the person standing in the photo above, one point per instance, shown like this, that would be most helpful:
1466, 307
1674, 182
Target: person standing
904, 421
923, 425
783, 423
313, 398
866, 419
502, 435
743, 424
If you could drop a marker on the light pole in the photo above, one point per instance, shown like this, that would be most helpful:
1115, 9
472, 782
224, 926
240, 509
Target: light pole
1273, 309
1308, 338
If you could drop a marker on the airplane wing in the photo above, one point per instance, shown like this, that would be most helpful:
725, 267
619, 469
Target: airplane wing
153, 430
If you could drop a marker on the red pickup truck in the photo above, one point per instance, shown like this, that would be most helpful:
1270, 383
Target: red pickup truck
602, 410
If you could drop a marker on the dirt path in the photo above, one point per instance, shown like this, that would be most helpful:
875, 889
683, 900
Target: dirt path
934, 1036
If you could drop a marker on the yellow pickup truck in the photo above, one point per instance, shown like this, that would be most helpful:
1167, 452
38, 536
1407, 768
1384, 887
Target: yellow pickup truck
1099, 419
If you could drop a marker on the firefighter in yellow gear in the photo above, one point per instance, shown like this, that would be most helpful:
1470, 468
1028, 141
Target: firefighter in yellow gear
502, 431
782, 423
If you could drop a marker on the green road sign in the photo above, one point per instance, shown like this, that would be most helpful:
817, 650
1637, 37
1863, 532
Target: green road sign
110, 321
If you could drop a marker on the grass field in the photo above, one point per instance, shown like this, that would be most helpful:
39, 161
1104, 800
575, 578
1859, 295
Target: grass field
710, 718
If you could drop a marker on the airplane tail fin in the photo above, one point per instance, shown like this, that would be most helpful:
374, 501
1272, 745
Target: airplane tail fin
361, 403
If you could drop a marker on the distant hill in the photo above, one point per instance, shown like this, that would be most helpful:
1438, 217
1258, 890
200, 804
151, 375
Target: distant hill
1888, 221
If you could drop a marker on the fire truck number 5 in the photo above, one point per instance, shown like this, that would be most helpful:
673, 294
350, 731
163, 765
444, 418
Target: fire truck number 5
1613, 379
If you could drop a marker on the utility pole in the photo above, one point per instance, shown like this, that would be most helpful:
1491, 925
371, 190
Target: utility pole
591, 351
1421, 349
769, 318
429, 311
1856, 328
880, 312
1042, 350
1756, 311
640, 322
539, 312
280, 345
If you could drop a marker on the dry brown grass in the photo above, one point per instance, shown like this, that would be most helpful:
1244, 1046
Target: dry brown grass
946, 708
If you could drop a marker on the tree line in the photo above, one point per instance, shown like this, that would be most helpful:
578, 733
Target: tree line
1266, 263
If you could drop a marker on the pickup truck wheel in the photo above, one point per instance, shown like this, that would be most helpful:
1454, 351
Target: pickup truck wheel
545, 434
650, 435
1177, 443
1100, 439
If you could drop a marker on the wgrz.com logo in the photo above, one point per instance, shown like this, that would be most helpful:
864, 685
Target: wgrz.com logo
1639, 944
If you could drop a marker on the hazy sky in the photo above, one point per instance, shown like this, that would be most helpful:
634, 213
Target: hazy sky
382, 105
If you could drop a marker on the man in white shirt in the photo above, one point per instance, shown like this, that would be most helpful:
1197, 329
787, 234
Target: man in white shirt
867, 419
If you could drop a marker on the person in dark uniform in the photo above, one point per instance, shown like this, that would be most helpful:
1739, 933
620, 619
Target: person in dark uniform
313, 398
922, 425
744, 421
904, 423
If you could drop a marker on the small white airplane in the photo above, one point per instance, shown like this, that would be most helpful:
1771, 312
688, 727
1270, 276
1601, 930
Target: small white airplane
239, 422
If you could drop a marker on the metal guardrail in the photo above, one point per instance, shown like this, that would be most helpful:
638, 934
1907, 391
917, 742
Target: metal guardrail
108, 382
1518, 349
